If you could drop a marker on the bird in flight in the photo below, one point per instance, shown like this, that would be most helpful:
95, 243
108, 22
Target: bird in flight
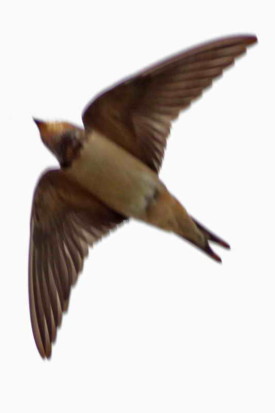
109, 174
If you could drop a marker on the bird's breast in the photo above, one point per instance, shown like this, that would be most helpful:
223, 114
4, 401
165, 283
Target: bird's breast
113, 175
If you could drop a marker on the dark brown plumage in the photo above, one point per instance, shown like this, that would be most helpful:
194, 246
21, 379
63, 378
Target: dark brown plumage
138, 112
62, 228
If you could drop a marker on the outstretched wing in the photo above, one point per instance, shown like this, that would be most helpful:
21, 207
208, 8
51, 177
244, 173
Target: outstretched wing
138, 112
65, 220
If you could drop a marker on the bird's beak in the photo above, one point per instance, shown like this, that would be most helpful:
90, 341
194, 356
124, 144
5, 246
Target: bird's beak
37, 121
40, 124
46, 130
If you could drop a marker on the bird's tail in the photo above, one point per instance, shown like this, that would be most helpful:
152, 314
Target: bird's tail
194, 232
191, 230
167, 213
209, 236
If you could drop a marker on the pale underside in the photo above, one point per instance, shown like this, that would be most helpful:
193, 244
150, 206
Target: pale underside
114, 176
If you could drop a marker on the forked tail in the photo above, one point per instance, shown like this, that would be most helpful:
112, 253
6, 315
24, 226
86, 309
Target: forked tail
210, 237
167, 213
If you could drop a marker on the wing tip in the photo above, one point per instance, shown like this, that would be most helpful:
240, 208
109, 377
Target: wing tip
238, 38
250, 39
45, 351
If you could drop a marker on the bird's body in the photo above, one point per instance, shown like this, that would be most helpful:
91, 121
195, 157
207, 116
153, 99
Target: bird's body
109, 174
114, 176
129, 187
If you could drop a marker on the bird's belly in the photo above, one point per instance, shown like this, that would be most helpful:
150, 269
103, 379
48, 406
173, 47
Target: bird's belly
113, 175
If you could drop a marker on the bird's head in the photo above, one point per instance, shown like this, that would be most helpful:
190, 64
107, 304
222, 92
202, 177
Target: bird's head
63, 139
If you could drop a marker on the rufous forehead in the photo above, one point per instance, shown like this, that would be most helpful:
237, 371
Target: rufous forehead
50, 129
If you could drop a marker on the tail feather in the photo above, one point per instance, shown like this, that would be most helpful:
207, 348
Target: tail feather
206, 249
167, 213
210, 236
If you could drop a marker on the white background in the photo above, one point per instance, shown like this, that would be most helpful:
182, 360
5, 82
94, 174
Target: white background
153, 324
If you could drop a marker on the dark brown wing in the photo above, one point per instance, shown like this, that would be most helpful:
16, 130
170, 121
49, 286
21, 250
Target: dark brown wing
137, 113
65, 220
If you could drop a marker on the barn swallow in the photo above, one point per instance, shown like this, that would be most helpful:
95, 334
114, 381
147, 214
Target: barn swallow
109, 173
